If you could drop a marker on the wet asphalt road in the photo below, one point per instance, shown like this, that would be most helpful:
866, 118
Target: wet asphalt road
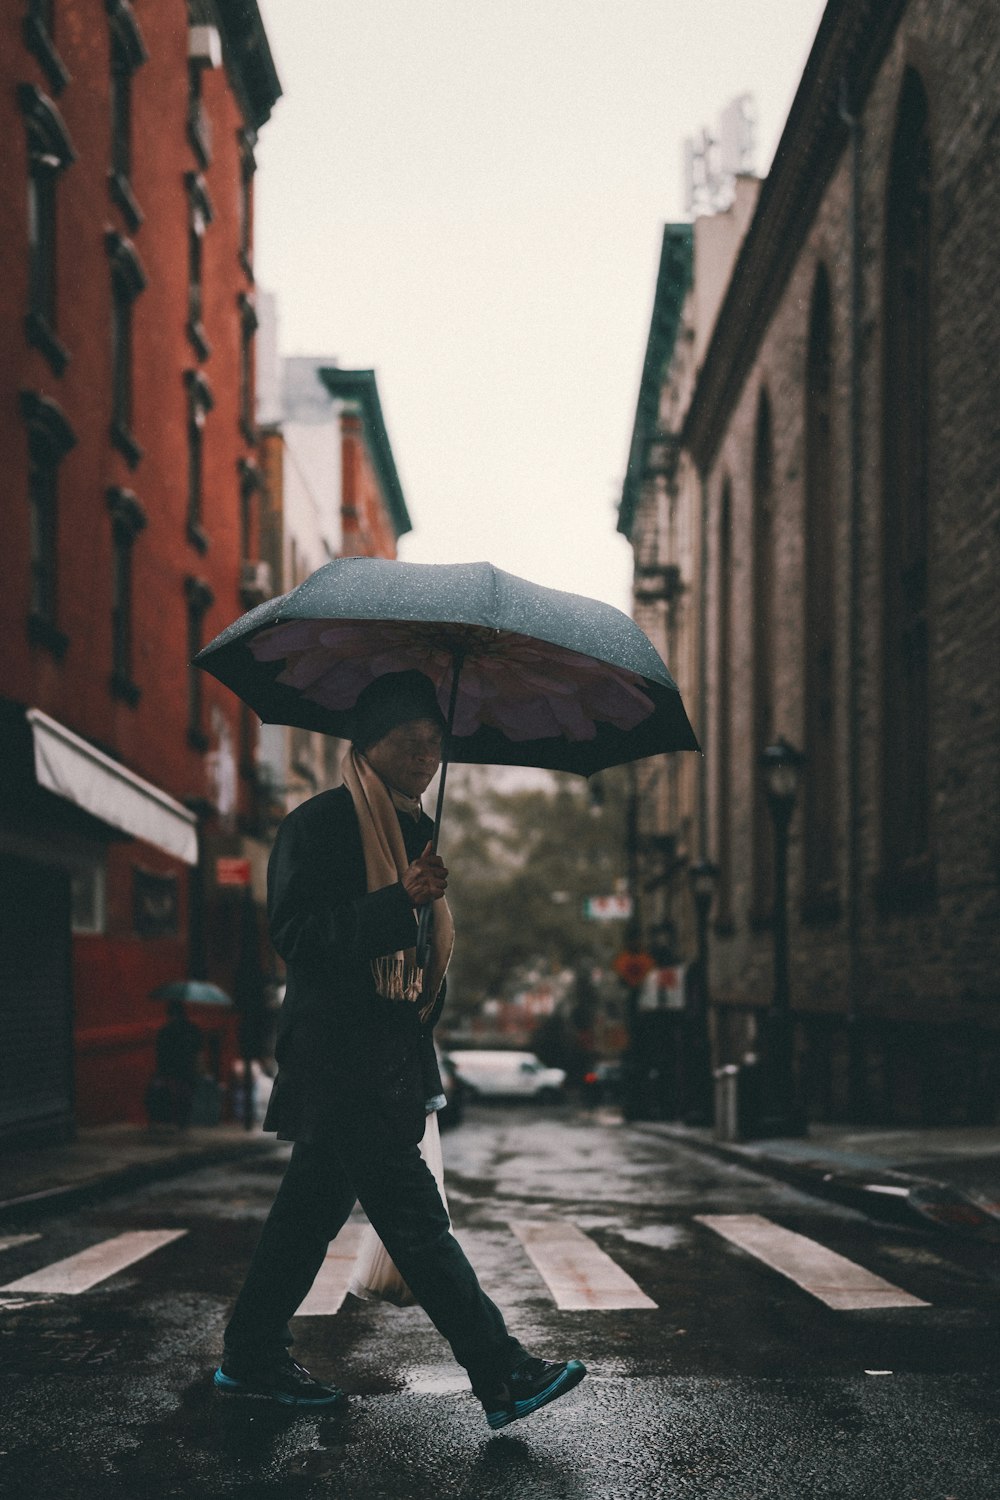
737, 1385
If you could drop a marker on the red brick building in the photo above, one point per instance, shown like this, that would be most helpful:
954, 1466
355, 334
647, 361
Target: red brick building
130, 518
842, 432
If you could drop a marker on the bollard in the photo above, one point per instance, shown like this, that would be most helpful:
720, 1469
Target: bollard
728, 1125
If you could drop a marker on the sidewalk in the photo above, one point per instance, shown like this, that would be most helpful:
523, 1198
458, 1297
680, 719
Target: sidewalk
109, 1159
949, 1177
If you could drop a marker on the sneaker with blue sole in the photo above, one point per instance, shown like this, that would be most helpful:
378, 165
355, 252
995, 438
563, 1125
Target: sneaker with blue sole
283, 1380
532, 1385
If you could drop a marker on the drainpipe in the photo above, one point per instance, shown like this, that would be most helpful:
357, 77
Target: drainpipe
703, 667
857, 1085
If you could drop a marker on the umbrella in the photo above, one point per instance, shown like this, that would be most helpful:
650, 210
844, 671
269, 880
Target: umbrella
538, 677
192, 992
525, 675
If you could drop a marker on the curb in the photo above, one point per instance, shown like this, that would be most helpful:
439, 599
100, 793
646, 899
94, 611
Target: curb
69, 1196
882, 1193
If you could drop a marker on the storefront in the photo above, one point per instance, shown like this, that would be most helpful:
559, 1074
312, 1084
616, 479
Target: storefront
63, 804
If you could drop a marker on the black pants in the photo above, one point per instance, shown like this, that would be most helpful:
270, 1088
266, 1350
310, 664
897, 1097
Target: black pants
397, 1191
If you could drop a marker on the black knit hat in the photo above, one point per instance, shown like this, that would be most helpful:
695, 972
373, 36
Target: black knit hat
393, 699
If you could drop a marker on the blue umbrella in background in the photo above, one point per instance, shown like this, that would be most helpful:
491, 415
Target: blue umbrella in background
191, 992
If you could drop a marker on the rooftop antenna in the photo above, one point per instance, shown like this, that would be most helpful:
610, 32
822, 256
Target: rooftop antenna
715, 157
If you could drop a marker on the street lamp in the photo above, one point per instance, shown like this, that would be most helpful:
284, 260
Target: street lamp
703, 876
782, 1113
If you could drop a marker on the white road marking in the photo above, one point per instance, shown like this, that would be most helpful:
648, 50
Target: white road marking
832, 1278
78, 1273
576, 1271
8, 1241
330, 1287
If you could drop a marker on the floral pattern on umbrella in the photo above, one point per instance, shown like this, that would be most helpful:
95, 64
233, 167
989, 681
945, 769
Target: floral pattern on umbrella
524, 687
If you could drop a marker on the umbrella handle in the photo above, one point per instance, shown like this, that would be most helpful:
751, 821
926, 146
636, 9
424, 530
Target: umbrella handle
424, 935
427, 912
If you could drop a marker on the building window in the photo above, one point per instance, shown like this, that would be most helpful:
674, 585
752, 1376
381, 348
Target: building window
251, 483
723, 715
200, 403
762, 604
50, 438
248, 166
200, 215
155, 904
820, 788
128, 53
38, 30
248, 327
906, 460
89, 907
199, 126
50, 152
199, 600
127, 280
127, 520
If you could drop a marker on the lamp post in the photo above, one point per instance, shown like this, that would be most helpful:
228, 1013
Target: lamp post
782, 1113
703, 876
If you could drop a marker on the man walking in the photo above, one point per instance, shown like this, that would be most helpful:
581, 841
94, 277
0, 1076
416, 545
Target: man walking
357, 1070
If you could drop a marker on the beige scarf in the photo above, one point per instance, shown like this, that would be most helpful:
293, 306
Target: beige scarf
396, 975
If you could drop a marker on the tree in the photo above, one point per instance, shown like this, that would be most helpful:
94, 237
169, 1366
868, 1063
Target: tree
523, 855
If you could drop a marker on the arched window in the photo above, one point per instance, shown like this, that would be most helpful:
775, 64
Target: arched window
820, 797
762, 604
905, 469
723, 713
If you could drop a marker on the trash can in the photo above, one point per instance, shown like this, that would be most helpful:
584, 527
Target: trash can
728, 1122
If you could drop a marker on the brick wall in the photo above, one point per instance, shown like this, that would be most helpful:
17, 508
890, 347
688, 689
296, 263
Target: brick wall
927, 976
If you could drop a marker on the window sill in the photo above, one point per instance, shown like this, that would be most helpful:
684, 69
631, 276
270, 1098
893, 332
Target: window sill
42, 632
124, 688
40, 336
198, 537
126, 444
121, 192
197, 338
38, 41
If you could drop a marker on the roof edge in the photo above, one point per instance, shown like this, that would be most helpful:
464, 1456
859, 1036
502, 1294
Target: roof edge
361, 386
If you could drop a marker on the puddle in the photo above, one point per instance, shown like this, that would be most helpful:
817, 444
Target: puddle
436, 1383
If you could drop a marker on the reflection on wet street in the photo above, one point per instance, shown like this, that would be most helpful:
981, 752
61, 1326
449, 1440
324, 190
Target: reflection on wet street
720, 1377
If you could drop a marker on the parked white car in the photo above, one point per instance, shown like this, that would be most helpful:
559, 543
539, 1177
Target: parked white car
513, 1075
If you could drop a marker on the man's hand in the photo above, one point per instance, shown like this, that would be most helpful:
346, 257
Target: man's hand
426, 879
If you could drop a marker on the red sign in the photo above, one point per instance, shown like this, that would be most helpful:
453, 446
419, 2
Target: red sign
633, 967
232, 871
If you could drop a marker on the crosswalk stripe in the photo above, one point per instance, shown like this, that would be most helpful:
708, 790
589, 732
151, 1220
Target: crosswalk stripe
576, 1271
8, 1241
823, 1273
78, 1273
330, 1287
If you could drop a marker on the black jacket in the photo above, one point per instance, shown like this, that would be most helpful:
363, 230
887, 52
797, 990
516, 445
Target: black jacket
348, 1060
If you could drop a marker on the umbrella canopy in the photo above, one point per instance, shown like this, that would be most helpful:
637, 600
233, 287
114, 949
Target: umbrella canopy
524, 674
192, 992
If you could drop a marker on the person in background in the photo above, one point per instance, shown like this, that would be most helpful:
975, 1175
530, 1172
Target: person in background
357, 1071
179, 1044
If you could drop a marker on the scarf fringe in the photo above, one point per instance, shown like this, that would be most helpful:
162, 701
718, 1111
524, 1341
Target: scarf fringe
395, 979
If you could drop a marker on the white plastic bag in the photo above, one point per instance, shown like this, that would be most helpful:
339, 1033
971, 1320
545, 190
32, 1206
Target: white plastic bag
375, 1277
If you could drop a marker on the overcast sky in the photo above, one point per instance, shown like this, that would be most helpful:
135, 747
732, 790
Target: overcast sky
468, 196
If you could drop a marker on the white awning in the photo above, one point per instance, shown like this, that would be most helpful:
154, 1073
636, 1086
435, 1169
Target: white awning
76, 770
